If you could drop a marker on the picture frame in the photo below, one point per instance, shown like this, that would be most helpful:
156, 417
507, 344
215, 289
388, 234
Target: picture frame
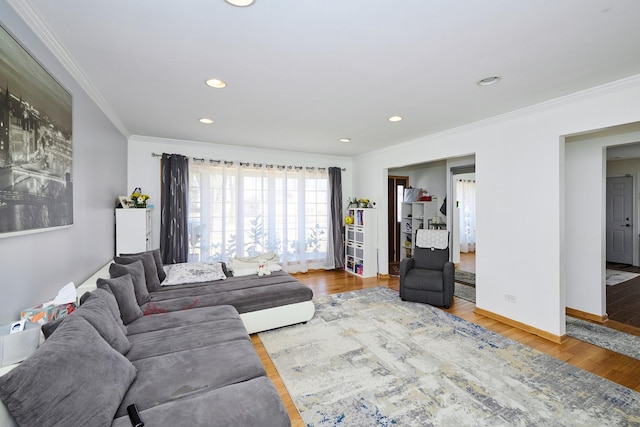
125, 202
36, 144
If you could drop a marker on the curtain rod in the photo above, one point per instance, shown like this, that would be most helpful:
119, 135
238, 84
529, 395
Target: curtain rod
255, 165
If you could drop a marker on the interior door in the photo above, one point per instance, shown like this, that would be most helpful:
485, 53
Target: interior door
395, 191
619, 232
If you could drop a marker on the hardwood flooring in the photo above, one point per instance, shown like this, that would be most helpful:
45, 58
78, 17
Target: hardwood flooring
467, 262
599, 361
623, 300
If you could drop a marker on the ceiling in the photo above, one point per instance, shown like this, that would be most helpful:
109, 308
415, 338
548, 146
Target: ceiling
302, 74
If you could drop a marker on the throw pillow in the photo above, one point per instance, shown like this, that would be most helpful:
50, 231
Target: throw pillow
97, 313
150, 270
122, 288
226, 270
73, 378
136, 269
193, 272
157, 257
245, 268
111, 301
49, 327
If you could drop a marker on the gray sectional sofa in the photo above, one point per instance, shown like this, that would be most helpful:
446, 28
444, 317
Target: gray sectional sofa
192, 367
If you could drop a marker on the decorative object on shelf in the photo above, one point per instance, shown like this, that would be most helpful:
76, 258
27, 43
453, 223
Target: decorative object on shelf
360, 203
124, 202
348, 220
138, 198
412, 194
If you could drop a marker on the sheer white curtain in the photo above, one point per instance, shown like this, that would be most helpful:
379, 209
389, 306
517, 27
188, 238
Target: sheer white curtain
243, 210
466, 194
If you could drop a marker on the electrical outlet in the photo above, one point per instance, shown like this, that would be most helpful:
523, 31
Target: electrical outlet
510, 298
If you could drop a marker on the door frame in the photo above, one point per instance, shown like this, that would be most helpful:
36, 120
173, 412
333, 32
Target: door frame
453, 219
394, 233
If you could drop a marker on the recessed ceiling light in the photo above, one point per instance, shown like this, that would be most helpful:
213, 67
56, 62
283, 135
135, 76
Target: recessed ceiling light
395, 118
206, 121
345, 139
488, 81
240, 3
216, 83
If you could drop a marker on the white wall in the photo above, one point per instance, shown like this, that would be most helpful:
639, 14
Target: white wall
520, 216
144, 170
33, 267
431, 177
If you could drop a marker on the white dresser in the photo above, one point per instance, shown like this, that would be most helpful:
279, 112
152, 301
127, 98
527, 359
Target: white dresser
133, 230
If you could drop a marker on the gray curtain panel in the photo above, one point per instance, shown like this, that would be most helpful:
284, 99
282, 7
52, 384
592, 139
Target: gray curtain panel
337, 230
174, 235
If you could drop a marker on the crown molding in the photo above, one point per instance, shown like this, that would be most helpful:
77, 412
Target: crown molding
38, 26
594, 92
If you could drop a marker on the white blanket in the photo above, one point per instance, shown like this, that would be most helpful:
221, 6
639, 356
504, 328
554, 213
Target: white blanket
432, 239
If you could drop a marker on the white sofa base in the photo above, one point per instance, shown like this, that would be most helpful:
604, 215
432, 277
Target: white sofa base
277, 317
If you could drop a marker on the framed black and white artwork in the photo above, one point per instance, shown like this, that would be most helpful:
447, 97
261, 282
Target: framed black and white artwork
36, 144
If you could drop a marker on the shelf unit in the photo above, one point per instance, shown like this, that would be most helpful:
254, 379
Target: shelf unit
360, 246
416, 215
133, 230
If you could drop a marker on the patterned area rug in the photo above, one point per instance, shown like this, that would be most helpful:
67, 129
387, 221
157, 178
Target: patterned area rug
369, 359
599, 335
465, 277
615, 277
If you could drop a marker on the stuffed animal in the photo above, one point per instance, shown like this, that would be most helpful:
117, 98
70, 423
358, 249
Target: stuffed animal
263, 270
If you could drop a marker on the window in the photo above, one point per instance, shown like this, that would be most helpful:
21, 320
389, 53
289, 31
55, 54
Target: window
239, 210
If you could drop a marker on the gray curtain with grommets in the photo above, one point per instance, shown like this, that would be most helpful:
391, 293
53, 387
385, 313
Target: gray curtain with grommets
337, 229
174, 234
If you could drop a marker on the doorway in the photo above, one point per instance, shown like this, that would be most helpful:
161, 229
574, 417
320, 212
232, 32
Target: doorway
463, 222
621, 298
395, 193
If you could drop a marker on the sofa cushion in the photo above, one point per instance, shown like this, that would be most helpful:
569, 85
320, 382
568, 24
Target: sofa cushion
424, 280
157, 257
430, 259
138, 277
112, 303
173, 319
150, 269
122, 289
73, 378
169, 340
252, 403
97, 313
178, 375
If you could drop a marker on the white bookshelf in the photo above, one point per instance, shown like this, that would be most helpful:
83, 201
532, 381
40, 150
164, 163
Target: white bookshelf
361, 243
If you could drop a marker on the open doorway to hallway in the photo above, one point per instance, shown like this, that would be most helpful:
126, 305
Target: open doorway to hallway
622, 270
395, 193
463, 219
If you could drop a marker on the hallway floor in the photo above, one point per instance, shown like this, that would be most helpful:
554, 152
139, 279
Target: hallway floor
623, 300
467, 262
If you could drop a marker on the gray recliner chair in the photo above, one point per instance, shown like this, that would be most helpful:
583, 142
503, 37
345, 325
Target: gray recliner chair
428, 277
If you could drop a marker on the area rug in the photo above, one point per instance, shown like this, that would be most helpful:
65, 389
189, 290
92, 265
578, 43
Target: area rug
595, 334
369, 359
615, 277
465, 277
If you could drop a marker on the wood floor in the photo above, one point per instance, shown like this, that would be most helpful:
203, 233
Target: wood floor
623, 300
605, 363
